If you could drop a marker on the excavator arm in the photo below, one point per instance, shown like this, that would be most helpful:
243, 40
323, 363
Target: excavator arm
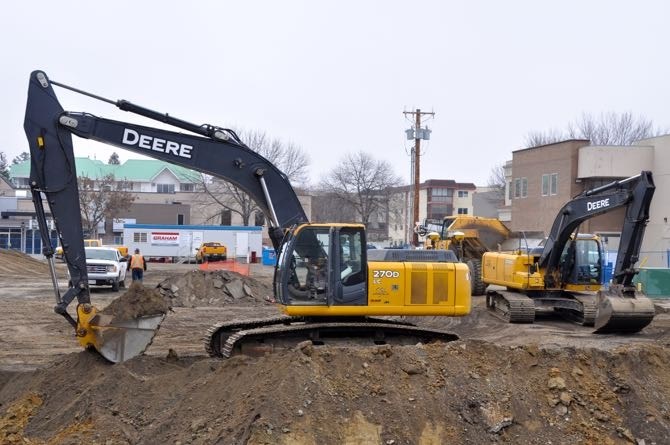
213, 150
634, 193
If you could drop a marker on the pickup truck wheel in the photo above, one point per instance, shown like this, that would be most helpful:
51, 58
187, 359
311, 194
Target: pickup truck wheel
115, 285
122, 283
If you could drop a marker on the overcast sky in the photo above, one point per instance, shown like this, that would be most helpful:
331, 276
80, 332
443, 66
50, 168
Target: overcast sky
334, 77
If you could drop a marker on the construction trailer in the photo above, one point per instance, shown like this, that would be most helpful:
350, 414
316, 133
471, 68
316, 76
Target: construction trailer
175, 243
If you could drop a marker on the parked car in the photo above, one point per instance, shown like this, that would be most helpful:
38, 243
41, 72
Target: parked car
211, 251
106, 266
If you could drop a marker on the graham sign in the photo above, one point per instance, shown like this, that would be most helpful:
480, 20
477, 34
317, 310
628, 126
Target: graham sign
164, 238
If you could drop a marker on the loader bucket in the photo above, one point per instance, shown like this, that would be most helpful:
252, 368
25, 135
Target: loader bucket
624, 314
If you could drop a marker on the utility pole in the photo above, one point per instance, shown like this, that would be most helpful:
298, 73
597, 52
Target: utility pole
418, 133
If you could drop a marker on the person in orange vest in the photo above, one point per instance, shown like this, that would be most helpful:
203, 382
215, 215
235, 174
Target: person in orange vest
138, 266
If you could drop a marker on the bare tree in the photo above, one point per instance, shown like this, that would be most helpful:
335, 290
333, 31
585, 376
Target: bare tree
102, 199
289, 158
613, 129
497, 180
607, 129
328, 206
4, 167
362, 183
538, 138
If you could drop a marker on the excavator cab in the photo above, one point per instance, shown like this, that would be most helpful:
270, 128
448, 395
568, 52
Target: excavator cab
581, 261
322, 265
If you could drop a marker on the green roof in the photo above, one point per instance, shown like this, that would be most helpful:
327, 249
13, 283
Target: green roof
136, 170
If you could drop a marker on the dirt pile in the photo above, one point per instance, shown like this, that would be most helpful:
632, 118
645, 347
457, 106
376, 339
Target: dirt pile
13, 262
214, 288
460, 392
551, 382
136, 302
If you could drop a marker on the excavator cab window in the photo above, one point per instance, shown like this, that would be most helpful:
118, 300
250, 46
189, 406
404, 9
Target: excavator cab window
303, 268
350, 288
323, 265
583, 257
445, 227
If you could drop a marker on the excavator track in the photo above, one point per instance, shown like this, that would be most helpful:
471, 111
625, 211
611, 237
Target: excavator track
510, 306
586, 315
256, 337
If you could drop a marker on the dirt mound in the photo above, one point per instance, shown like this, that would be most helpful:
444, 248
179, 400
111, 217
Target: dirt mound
460, 392
214, 288
13, 262
136, 302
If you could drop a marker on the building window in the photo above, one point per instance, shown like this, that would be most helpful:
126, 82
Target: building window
140, 237
517, 188
186, 187
440, 198
554, 184
164, 188
520, 187
442, 192
462, 193
21, 183
439, 211
462, 211
550, 184
180, 219
226, 218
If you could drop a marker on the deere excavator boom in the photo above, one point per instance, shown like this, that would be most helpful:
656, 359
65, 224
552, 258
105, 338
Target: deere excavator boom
323, 280
569, 281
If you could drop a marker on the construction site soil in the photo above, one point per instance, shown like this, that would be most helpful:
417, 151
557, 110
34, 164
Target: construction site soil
551, 382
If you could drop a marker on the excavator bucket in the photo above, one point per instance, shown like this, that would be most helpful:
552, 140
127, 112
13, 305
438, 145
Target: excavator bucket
126, 327
121, 341
116, 340
620, 313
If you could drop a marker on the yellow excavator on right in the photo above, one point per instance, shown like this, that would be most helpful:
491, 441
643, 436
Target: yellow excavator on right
566, 273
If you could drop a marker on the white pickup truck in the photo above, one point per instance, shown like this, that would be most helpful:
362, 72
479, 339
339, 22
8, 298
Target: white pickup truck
106, 266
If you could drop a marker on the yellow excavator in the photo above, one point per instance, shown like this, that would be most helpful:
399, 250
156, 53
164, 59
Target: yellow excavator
566, 273
327, 285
